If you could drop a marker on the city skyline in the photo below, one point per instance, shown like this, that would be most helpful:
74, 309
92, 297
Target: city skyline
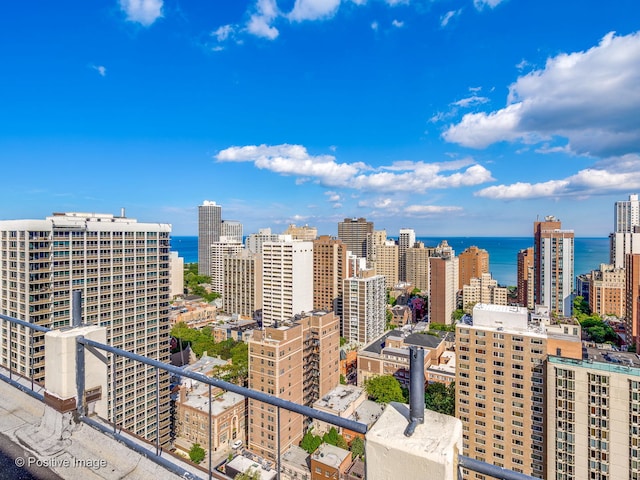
451, 118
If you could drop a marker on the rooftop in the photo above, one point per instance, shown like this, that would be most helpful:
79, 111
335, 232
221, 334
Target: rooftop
330, 455
340, 398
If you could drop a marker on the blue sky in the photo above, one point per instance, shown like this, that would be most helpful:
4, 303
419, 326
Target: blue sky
452, 117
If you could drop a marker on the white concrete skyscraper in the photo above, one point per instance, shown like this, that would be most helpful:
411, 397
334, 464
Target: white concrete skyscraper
364, 307
406, 240
287, 280
209, 231
625, 238
122, 268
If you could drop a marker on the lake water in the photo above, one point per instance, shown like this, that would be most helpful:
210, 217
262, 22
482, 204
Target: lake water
503, 252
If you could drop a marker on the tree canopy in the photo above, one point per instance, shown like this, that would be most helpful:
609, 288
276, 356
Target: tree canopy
441, 398
598, 330
197, 453
384, 389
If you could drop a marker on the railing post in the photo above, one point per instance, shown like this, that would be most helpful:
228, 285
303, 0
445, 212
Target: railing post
10, 352
76, 308
114, 397
278, 455
210, 433
157, 411
31, 356
416, 389
80, 380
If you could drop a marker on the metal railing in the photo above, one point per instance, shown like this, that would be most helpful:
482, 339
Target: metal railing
156, 456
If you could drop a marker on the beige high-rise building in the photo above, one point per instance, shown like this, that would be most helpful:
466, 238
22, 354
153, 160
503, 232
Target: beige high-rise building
443, 284
287, 280
375, 239
242, 293
525, 278
386, 263
220, 250
297, 361
553, 266
406, 240
500, 384
364, 307
418, 266
356, 234
472, 263
329, 271
209, 231
231, 230
607, 291
593, 416
305, 232
483, 290
122, 269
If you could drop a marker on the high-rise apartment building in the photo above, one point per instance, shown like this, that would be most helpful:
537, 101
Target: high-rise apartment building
209, 231
242, 292
220, 250
329, 271
625, 238
406, 240
297, 361
287, 280
500, 384
443, 284
364, 307
356, 234
483, 290
386, 263
607, 291
472, 263
418, 266
122, 268
255, 240
593, 423
632, 301
232, 231
306, 233
525, 278
553, 266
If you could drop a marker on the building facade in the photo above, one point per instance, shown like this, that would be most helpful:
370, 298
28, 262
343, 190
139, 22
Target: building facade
232, 231
607, 291
242, 292
122, 268
329, 271
418, 266
406, 240
305, 232
483, 290
553, 266
443, 284
386, 263
287, 280
219, 250
364, 307
209, 231
472, 263
525, 278
356, 233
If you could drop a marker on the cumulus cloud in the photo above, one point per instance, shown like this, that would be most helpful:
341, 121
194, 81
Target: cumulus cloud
616, 174
397, 23
223, 32
313, 9
589, 98
447, 17
374, 26
144, 12
260, 22
333, 196
405, 176
426, 210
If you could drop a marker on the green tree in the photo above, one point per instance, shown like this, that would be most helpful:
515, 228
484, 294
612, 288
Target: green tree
343, 381
442, 327
384, 389
343, 341
441, 398
357, 447
197, 453
310, 442
332, 437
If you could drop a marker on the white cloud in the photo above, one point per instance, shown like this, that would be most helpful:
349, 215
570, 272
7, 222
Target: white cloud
480, 4
422, 210
333, 196
405, 176
223, 32
393, 3
144, 12
397, 23
260, 22
101, 69
447, 17
313, 9
590, 98
616, 174
374, 26
471, 101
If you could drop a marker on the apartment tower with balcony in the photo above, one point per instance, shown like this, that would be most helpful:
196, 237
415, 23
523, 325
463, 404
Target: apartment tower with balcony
329, 271
356, 234
122, 269
472, 263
